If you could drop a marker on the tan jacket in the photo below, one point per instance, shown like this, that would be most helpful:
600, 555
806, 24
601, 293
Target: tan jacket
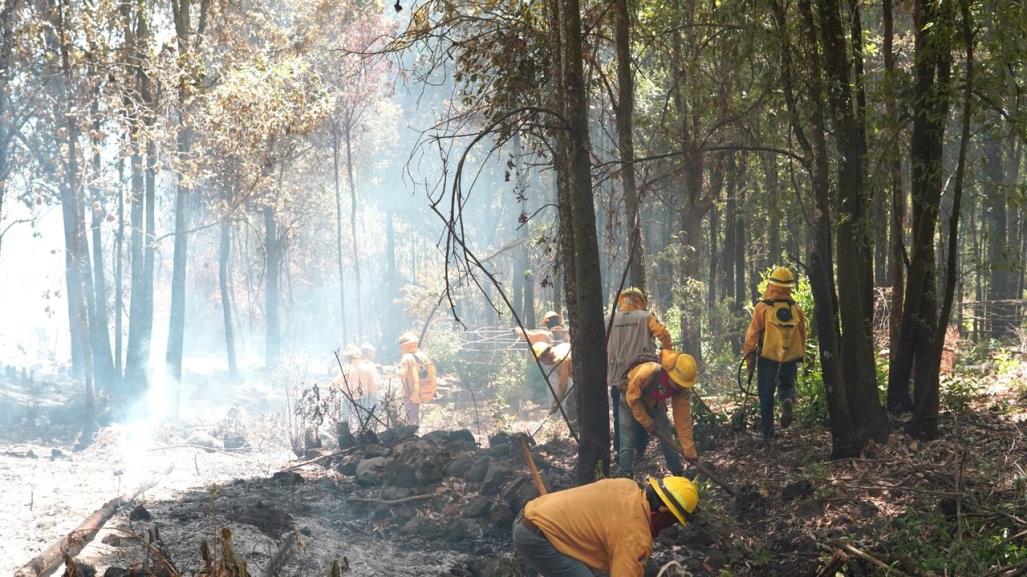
680, 402
605, 525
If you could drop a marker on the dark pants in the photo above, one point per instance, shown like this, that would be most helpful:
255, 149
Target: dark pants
771, 376
634, 440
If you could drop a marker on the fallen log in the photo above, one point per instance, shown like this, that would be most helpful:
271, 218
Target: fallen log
72, 543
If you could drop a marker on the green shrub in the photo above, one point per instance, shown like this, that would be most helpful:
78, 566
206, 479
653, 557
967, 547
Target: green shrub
931, 540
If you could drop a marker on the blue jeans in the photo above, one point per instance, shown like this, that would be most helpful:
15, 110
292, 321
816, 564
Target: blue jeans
771, 375
633, 439
537, 551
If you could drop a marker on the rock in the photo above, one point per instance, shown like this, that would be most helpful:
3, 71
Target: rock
509, 489
376, 451
348, 465
795, 490
495, 477
372, 471
462, 436
140, 514
287, 478
438, 436
393, 435
116, 572
501, 516
269, 520
458, 466
427, 459
56, 454
500, 438
112, 539
479, 506
398, 474
477, 470
500, 451
234, 441
517, 499
85, 570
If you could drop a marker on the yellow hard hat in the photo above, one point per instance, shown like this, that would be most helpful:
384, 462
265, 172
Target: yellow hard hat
678, 494
782, 277
540, 349
680, 366
408, 337
351, 351
631, 291
550, 315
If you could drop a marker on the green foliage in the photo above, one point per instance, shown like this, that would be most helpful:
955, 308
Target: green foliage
931, 539
959, 390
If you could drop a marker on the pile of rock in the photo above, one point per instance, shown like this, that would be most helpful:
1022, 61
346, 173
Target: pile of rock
477, 491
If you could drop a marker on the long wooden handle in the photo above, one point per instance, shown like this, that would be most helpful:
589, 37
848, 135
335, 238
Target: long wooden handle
522, 442
706, 469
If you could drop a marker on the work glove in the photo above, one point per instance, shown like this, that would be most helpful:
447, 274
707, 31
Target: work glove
750, 362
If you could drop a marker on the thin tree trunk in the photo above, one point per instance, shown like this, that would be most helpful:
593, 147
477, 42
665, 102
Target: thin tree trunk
625, 112
226, 305
103, 363
119, 288
348, 135
338, 230
589, 344
271, 294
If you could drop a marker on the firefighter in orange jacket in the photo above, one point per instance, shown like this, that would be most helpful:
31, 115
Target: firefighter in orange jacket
644, 408
775, 342
417, 373
603, 527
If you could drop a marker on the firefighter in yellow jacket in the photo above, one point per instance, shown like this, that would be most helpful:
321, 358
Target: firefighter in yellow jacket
775, 342
417, 373
558, 358
644, 408
603, 527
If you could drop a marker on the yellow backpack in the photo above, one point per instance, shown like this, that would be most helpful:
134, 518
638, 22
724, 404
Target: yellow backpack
424, 378
780, 340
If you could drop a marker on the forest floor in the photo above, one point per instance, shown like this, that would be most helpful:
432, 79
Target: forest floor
442, 503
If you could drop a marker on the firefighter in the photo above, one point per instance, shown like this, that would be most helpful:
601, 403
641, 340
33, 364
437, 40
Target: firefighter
417, 373
631, 334
604, 527
558, 357
644, 409
775, 343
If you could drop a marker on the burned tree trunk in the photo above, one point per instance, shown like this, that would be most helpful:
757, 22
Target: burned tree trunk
226, 306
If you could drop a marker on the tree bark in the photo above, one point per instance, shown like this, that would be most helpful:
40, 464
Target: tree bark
589, 344
348, 135
226, 305
625, 112
272, 295
338, 230
898, 399
103, 363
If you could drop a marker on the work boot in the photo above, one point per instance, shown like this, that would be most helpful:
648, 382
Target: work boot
786, 413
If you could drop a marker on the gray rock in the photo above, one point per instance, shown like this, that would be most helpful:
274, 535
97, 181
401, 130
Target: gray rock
500, 438
376, 451
459, 465
427, 459
398, 474
501, 516
372, 471
477, 470
495, 477
479, 506
462, 436
348, 465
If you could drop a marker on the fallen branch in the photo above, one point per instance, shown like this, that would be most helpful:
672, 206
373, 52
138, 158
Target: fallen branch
72, 543
393, 501
319, 459
873, 560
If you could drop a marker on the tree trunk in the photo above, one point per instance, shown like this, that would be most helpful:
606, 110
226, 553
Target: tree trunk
925, 414
625, 113
338, 230
119, 288
589, 343
226, 305
998, 317
920, 315
103, 363
899, 399
854, 245
7, 41
741, 240
711, 288
348, 135
271, 294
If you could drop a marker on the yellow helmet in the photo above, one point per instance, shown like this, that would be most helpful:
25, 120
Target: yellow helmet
781, 277
540, 349
632, 291
678, 494
351, 351
680, 366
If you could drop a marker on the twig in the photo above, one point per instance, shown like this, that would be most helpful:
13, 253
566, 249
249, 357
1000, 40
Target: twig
873, 560
318, 459
208, 449
393, 501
